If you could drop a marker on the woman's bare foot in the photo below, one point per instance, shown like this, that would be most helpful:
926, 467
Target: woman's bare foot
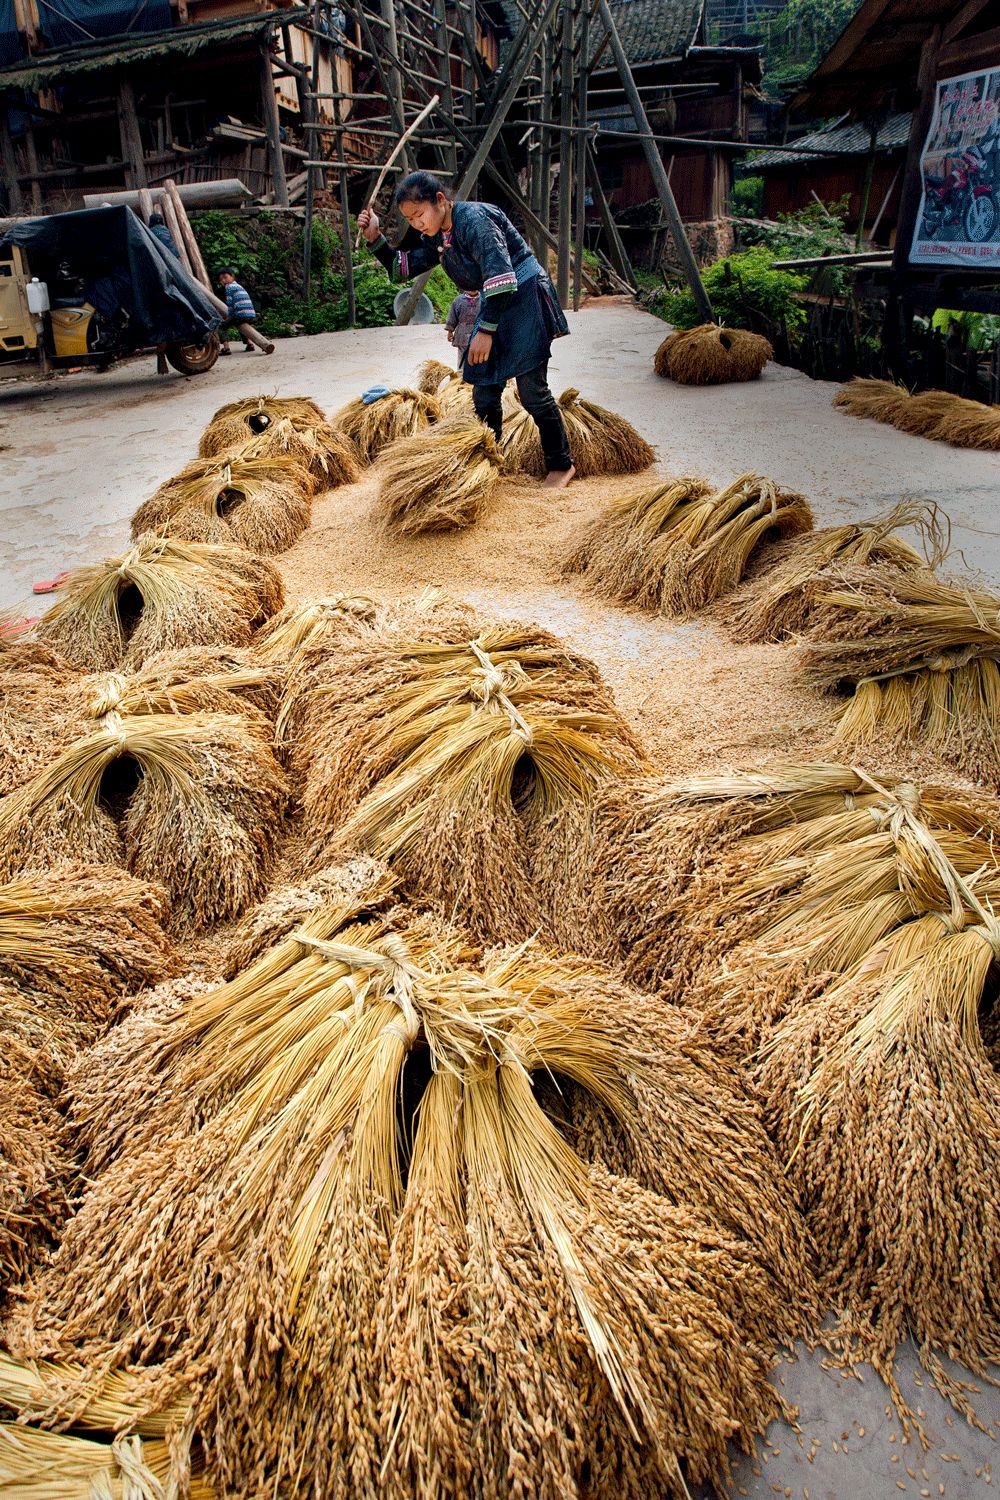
558, 479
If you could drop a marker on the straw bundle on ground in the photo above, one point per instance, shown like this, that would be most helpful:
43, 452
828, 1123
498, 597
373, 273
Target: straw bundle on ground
438, 480
450, 759
676, 547
194, 801
38, 709
710, 355
922, 658
781, 599
262, 504
374, 425
497, 1313
938, 415
292, 428
35, 1165
301, 625
601, 441
161, 594
881, 1095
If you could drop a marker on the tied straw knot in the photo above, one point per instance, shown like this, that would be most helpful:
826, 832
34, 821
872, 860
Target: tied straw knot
493, 685
126, 1451
114, 726
391, 976
107, 696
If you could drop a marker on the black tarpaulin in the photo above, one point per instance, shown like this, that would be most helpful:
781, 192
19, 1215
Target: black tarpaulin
65, 22
115, 255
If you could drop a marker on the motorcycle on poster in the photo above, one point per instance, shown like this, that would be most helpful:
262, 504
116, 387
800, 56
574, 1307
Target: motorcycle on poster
958, 222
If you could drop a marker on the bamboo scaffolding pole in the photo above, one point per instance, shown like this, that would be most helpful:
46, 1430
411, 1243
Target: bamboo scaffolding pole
581, 156
565, 153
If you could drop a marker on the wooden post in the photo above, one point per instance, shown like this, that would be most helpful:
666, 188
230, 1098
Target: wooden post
8, 165
545, 137
145, 205
909, 201
450, 154
173, 224
312, 104
198, 269
867, 185
31, 152
396, 74
345, 218
616, 246
581, 152
684, 252
128, 126
272, 128
565, 152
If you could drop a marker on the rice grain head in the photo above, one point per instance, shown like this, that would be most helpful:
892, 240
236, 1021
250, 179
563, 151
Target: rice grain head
432, 374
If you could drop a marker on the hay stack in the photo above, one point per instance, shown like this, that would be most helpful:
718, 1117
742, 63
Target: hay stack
448, 757
922, 659
374, 425
710, 355
262, 504
292, 428
680, 545
299, 626
500, 1297
939, 415
439, 480
195, 801
161, 595
781, 600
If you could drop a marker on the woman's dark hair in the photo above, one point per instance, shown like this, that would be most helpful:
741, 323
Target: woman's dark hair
419, 187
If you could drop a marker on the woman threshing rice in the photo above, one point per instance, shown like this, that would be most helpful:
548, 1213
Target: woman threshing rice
520, 316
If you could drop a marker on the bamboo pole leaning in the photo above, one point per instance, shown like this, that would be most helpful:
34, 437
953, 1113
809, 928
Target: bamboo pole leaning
679, 545
501, 1273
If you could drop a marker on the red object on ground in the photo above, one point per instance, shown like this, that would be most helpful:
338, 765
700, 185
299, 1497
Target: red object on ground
50, 585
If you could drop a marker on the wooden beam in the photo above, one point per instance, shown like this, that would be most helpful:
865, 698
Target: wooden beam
565, 153
965, 16
8, 165
128, 126
909, 202
682, 245
166, 207
618, 253
449, 155
581, 153
272, 128
982, 51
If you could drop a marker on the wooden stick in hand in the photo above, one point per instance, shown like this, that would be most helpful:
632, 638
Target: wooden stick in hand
399, 146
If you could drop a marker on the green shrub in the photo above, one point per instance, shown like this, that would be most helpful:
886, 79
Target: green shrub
441, 290
747, 198
745, 290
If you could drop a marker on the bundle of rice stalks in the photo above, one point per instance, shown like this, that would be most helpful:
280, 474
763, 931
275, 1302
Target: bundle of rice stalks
37, 709
601, 441
299, 626
372, 426
938, 415
680, 545
35, 1166
438, 480
781, 600
290, 428
921, 657
710, 355
882, 1097
262, 504
449, 759
161, 594
432, 375
37, 1465
687, 870
396, 1273
194, 801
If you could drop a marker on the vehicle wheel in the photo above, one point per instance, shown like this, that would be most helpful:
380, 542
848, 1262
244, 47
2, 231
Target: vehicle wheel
981, 217
194, 359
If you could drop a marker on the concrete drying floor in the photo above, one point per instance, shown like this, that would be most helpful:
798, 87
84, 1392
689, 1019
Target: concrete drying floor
77, 455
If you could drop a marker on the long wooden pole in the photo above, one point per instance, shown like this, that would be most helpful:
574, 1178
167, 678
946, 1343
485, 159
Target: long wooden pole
131, 138
565, 152
345, 217
272, 128
682, 246
581, 154
617, 252
311, 171
450, 152
166, 205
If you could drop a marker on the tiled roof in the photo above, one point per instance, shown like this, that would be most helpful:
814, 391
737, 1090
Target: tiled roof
651, 30
841, 140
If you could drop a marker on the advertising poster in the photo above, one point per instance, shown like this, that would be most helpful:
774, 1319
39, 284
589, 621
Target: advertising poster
958, 223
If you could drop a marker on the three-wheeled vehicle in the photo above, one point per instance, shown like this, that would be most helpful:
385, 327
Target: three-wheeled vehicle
89, 287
